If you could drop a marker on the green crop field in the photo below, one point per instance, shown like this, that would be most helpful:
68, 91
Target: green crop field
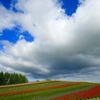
49, 90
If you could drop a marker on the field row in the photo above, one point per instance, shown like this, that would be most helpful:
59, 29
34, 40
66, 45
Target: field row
92, 92
30, 86
46, 92
37, 89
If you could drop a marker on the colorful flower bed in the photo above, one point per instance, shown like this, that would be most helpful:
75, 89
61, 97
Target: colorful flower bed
25, 84
37, 89
92, 92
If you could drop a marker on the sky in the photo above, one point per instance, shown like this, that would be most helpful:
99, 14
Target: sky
56, 39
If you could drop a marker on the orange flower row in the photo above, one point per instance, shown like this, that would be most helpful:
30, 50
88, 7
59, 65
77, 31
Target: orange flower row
37, 89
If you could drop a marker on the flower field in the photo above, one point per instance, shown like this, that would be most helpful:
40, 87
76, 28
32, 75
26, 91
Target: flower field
52, 90
89, 93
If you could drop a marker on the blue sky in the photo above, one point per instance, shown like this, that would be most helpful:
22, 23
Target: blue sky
70, 6
6, 3
58, 39
13, 35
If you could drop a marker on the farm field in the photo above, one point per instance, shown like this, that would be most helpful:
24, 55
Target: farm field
51, 90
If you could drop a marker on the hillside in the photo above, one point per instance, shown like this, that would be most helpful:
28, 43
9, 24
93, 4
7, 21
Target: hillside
51, 90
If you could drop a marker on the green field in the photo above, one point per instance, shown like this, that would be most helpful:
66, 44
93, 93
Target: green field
42, 90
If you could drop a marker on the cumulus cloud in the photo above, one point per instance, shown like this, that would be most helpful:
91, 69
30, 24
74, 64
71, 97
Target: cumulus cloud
6, 18
64, 47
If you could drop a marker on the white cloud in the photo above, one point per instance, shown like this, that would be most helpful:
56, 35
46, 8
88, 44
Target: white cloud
6, 18
62, 44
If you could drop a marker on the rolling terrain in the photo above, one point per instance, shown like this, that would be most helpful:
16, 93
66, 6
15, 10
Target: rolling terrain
51, 90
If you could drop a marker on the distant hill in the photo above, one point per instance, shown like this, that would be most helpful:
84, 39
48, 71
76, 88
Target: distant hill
50, 90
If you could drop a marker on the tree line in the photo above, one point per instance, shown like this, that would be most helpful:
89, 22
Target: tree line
12, 78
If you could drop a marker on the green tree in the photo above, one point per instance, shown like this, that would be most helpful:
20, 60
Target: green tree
6, 78
15, 78
12, 78
1, 78
22, 79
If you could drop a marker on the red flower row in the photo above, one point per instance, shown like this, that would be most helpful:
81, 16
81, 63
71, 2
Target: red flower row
95, 91
37, 89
